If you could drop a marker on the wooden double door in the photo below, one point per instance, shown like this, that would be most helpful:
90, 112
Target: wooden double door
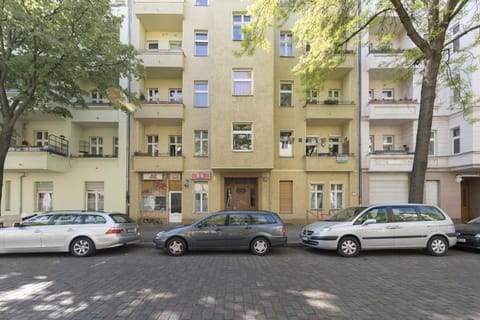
241, 194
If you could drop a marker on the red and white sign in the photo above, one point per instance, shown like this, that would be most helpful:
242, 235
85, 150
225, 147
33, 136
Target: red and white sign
201, 175
153, 176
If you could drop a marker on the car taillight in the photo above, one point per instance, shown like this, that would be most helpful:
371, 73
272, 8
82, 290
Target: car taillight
284, 231
114, 231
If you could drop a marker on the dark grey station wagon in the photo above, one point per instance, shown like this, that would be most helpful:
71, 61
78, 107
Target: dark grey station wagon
256, 231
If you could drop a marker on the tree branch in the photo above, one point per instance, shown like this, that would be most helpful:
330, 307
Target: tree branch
458, 36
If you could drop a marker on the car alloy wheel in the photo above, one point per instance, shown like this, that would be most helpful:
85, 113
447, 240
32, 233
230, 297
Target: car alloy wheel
260, 246
176, 247
348, 247
82, 247
437, 246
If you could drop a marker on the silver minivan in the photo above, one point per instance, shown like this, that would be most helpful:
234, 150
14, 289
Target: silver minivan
382, 226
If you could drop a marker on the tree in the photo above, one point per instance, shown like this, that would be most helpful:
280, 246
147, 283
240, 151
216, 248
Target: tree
47, 48
328, 25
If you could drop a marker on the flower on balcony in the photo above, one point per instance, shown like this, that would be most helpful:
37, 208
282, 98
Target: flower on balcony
25, 143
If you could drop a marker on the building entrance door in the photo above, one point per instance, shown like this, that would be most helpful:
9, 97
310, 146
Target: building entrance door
241, 194
175, 213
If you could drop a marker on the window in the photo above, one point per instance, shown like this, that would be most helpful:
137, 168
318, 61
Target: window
44, 196
175, 45
152, 94
371, 144
94, 219
201, 94
201, 2
63, 219
286, 94
334, 145
175, 95
429, 213
336, 196
404, 214
432, 144
387, 143
311, 145
94, 196
378, 214
42, 220
387, 94
242, 82
97, 97
201, 197
41, 138
96, 146
334, 94
152, 145
152, 45
7, 191
175, 146
154, 194
238, 219
262, 219
286, 44
201, 143
239, 22
316, 198
456, 140
201, 43
115, 146
312, 96
242, 137
215, 221
456, 42
286, 144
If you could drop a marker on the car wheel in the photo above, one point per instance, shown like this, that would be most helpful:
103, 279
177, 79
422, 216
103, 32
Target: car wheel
82, 247
260, 246
437, 246
348, 247
176, 247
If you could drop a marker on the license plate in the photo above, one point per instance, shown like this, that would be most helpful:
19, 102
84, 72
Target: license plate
461, 240
131, 230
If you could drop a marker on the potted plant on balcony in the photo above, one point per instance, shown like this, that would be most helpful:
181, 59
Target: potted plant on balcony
331, 101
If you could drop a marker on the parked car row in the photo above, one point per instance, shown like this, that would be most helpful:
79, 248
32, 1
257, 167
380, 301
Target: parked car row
383, 226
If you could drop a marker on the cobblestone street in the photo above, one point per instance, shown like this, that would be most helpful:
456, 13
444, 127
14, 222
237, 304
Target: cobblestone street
138, 282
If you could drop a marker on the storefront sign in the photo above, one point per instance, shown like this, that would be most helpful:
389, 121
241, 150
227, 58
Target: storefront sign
153, 176
201, 175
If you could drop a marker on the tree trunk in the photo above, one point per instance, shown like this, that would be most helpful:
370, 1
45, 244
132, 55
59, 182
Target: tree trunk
5, 139
427, 100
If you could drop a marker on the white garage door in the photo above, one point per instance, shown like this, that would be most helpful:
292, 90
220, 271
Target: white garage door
388, 188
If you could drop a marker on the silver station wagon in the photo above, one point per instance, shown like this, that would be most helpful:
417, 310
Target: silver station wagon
79, 232
383, 226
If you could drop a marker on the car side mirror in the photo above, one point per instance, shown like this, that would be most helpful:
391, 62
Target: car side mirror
199, 226
369, 221
17, 225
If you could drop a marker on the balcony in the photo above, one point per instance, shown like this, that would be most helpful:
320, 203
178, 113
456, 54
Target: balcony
35, 159
329, 110
390, 161
160, 15
383, 58
171, 111
327, 162
143, 162
393, 109
162, 58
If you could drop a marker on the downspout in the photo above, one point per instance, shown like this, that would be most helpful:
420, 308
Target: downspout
129, 86
359, 103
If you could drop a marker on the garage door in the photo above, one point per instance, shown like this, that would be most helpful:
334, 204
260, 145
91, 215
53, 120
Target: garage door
388, 188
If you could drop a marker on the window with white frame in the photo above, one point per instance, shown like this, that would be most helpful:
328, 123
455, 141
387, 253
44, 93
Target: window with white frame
286, 44
334, 145
115, 146
316, 196
456, 140
336, 196
41, 138
201, 197
175, 146
201, 94
96, 146
44, 196
201, 143
311, 146
286, 94
432, 143
286, 144
239, 22
201, 2
201, 43
312, 96
175, 95
371, 144
387, 94
242, 82
152, 45
456, 42
175, 45
334, 94
152, 145
387, 143
94, 196
97, 97
152, 94
242, 137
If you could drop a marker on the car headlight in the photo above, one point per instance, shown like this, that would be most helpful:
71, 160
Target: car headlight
477, 235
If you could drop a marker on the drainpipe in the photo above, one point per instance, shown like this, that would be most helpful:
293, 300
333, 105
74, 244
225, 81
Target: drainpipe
359, 103
129, 86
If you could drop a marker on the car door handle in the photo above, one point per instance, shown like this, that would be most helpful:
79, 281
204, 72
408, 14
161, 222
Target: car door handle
392, 227
248, 227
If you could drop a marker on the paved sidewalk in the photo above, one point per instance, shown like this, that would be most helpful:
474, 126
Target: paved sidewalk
148, 231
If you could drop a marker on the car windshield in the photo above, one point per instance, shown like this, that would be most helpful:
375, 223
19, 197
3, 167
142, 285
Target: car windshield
121, 218
474, 221
345, 215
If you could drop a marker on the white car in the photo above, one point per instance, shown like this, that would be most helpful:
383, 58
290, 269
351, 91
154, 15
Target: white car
79, 232
383, 226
